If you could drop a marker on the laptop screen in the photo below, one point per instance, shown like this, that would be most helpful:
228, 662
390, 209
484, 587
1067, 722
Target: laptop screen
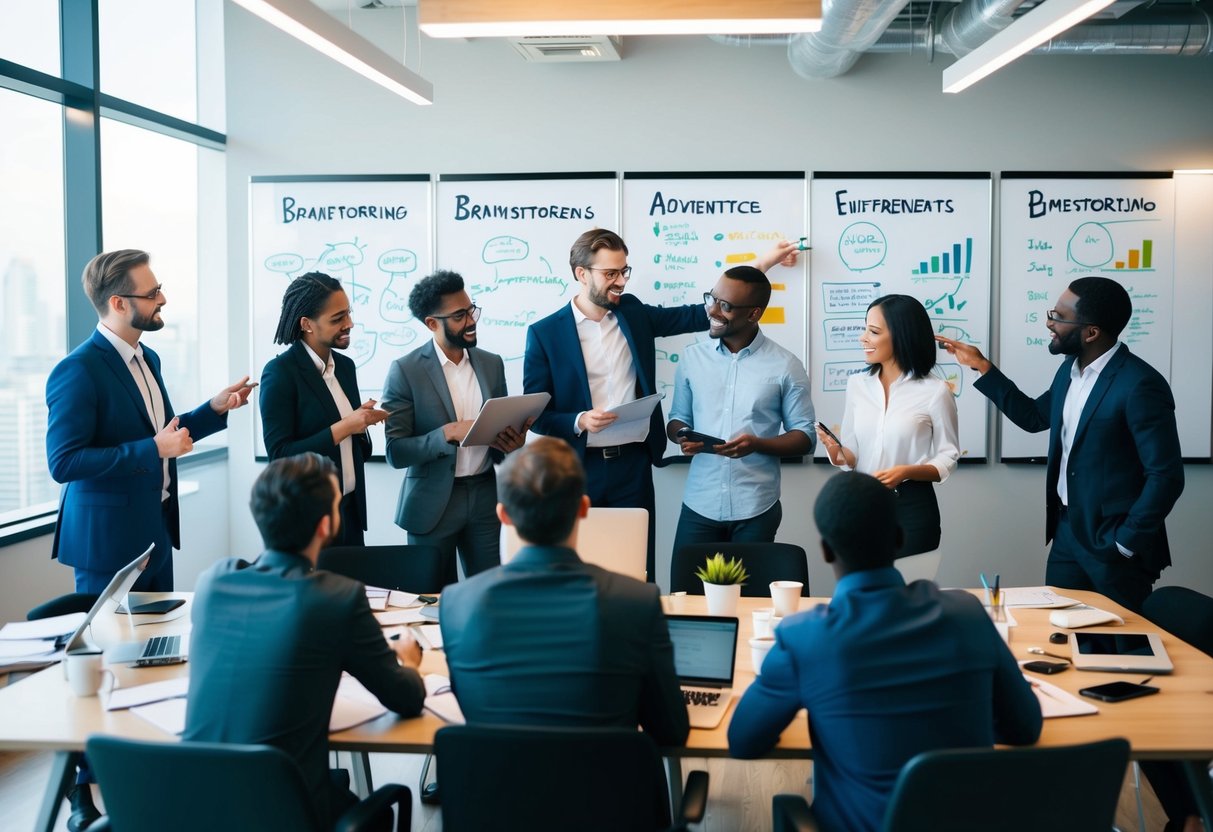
116, 592
705, 648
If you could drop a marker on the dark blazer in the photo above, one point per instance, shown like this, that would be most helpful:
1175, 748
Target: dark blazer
1125, 469
298, 412
554, 364
269, 644
100, 445
549, 640
419, 399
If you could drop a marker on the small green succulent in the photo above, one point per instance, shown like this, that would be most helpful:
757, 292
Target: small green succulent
717, 570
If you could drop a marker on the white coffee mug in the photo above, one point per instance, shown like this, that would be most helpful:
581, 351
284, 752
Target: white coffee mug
84, 673
762, 621
759, 647
785, 595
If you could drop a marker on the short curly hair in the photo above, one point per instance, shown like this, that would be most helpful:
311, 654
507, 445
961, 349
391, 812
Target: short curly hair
426, 297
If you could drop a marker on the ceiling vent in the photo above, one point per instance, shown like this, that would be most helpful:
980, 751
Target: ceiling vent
566, 49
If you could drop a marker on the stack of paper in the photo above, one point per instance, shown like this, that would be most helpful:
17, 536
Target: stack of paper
1035, 597
32, 645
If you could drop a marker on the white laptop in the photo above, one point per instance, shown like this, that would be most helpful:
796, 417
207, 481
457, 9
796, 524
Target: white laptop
613, 538
1120, 652
705, 651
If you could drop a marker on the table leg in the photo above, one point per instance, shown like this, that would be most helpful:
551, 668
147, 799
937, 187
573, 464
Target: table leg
673, 776
63, 775
1202, 788
360, 773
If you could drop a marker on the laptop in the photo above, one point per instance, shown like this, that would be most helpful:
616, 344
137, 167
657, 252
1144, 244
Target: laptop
152, 651
705, 651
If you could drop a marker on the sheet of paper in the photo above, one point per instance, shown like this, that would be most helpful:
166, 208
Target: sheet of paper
1055, 702
632, 424
26, 648
1035, 597
391, 618
171, 615
440, 700
430, 635
53, 627
121, 698
17, 664
168, 715
377, 602
354, 705
402, 599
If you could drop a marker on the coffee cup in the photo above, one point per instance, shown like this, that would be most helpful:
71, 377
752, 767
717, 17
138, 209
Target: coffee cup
759, 647
763, 622
785, 595
84, 672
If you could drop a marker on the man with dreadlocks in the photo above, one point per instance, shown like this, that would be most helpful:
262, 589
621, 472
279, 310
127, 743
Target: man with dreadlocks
309, 393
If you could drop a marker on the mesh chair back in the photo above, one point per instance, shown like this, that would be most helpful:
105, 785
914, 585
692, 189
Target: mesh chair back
416, 569
1182, 612
765, 562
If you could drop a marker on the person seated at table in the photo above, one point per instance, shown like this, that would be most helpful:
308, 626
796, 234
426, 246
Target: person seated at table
549, 640
272, 637
886, 670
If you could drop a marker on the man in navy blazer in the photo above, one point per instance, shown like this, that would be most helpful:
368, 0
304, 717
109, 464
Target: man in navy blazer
549, 640
112, 438
599, 352
1115, 468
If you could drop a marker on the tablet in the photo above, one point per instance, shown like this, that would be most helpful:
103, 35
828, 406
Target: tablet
505, 411
1120, 652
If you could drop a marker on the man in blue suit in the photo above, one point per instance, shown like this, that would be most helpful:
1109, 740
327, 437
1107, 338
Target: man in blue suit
885, 670
112, 437
1115, 468
599, 352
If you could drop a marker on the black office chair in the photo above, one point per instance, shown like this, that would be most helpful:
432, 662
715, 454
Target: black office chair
1074, 788
1184, 613
541, 779
765, 562
63, 605
203, 786
416, 569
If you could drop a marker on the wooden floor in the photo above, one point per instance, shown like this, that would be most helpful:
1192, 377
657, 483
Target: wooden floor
740, 792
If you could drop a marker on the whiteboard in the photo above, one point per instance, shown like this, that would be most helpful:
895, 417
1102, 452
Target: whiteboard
509, 236
683, 230
927, 236
370, 232
1056, 228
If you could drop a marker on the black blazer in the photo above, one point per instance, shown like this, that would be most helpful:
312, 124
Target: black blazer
298, 412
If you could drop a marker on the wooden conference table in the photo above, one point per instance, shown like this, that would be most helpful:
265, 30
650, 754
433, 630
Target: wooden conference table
40, 713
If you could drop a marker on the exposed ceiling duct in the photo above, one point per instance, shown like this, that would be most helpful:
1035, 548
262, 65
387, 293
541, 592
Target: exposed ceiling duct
848, 28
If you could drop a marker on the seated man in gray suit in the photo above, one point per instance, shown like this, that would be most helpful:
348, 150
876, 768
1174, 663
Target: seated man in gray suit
433, 395
271, 638
549, 640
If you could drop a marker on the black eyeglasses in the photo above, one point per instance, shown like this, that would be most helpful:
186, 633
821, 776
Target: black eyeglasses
710, 300
1058, 319
152, 295
613, 274
461, 315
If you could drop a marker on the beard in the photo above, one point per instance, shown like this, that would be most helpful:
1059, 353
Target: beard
460, 338
147, 323
602, 299
1068, 344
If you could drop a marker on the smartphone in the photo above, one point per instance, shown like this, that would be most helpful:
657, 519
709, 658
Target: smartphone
1118, 691
829, 433
1046, 667
696, 436
157, 607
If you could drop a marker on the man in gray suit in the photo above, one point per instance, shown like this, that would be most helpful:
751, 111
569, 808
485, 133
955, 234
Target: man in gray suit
433, 394
549, 640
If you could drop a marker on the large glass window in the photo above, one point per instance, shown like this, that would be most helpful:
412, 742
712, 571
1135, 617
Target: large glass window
29, 34
149, 54
32, 337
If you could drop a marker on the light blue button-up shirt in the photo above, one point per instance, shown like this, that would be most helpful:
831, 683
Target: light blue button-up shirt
756, 390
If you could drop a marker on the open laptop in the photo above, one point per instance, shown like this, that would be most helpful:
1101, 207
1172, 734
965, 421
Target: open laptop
705, 651
152, 651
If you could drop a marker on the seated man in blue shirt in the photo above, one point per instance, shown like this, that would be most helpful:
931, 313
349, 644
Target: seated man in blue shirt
886, 670
741, 387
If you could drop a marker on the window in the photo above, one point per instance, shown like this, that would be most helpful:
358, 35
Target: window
148, 55
30, 35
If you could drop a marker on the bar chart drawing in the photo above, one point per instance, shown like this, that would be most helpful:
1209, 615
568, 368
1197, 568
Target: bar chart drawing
956, 261
1140, 259
1094, 246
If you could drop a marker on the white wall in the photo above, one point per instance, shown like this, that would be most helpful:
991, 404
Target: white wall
689, 104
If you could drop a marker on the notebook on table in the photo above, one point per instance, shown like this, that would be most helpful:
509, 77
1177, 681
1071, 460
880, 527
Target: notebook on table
705, 652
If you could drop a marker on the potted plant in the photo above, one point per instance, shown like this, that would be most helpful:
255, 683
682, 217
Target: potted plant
722, 581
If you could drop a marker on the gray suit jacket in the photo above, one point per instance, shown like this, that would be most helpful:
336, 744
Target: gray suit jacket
549, 640
417, 396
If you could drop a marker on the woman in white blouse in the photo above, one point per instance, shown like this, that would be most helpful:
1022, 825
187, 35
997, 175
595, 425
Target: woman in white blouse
900, 421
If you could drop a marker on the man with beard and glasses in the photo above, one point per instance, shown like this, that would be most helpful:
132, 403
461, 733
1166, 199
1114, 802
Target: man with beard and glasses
309, 393
271, 638
449, 495
112, 438
600, 351
741, 387
1115, 469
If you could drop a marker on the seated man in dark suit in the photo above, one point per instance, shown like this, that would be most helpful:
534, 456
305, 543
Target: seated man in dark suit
271, 638
886, 670
549, 640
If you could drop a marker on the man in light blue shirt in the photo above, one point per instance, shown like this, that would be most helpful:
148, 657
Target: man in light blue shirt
741, 388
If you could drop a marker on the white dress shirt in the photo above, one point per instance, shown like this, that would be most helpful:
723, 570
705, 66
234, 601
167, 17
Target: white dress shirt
349, 478
1081, 384
145, 380
917, 427
608, 367
468, 399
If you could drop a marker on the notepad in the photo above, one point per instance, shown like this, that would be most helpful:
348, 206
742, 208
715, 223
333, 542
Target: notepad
1035, 597
1055, 702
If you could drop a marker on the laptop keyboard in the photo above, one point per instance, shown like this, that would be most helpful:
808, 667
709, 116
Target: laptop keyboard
159, 646
700, 697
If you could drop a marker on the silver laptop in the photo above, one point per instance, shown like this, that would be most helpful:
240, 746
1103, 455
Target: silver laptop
705, 651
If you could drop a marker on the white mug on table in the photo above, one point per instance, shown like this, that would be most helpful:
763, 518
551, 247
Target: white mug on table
84, 672
785, 595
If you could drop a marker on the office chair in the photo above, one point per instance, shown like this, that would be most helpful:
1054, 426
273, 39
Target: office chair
765, 562
417, 569
613, 538
1184, 613
539, 779
63, 605
1074, 788
204, 786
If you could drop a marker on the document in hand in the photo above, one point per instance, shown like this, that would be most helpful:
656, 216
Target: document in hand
504, 412
632, 422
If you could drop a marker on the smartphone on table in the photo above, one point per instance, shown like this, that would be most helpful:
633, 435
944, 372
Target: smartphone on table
1118, 691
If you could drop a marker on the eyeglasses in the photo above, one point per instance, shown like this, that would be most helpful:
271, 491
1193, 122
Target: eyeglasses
461, 315
152, 295
710, 300
1058, 319
612, 274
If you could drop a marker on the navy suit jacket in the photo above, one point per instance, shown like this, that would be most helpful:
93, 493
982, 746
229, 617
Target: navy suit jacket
554, 364
269, 644
886, 671
100, 446
298, 412
1125, 470
549, 640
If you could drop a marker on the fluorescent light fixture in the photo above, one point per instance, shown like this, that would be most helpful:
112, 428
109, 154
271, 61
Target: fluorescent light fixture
554, 18
303, 20
1047, 20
